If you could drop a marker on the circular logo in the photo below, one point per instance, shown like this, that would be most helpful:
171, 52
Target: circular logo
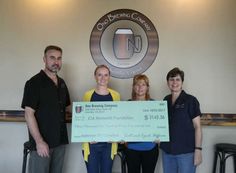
126, 41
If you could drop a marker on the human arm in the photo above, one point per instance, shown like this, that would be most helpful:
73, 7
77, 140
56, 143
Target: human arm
41, 146
198, 140
69, 109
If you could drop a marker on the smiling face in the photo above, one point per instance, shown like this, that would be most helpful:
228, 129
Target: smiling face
53, 61
175, 83
140, 89
102, 76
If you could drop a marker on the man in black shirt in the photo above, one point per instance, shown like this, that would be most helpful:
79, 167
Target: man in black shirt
45, 100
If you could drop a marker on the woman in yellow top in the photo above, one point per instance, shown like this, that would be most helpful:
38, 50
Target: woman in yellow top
99, 156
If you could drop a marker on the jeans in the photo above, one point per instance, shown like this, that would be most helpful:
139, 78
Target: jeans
52, 164
181, 163
99, 160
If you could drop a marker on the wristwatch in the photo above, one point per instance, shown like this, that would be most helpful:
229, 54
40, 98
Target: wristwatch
198, 148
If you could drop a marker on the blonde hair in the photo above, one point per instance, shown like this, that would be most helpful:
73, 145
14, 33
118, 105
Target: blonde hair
136, 79
101, 66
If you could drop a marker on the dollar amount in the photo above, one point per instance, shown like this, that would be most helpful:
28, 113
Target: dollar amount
154, 117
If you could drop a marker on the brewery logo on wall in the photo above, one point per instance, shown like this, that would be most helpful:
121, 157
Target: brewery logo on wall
126, 41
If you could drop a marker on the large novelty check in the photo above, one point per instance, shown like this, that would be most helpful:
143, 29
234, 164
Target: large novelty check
120, 121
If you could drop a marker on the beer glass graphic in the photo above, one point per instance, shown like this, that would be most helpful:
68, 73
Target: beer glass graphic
78, 109
125, 43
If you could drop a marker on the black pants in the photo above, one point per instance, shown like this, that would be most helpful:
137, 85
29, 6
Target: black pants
145, 160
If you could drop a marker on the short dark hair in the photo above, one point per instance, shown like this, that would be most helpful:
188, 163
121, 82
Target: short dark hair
174, 72
52, 47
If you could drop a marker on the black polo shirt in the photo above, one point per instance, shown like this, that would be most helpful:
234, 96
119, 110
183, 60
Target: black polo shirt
49, 102
181, 129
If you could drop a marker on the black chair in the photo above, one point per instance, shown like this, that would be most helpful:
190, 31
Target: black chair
26, 151
121, 154
224, 151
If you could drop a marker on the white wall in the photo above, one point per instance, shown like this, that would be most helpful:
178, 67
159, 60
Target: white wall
196, 35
